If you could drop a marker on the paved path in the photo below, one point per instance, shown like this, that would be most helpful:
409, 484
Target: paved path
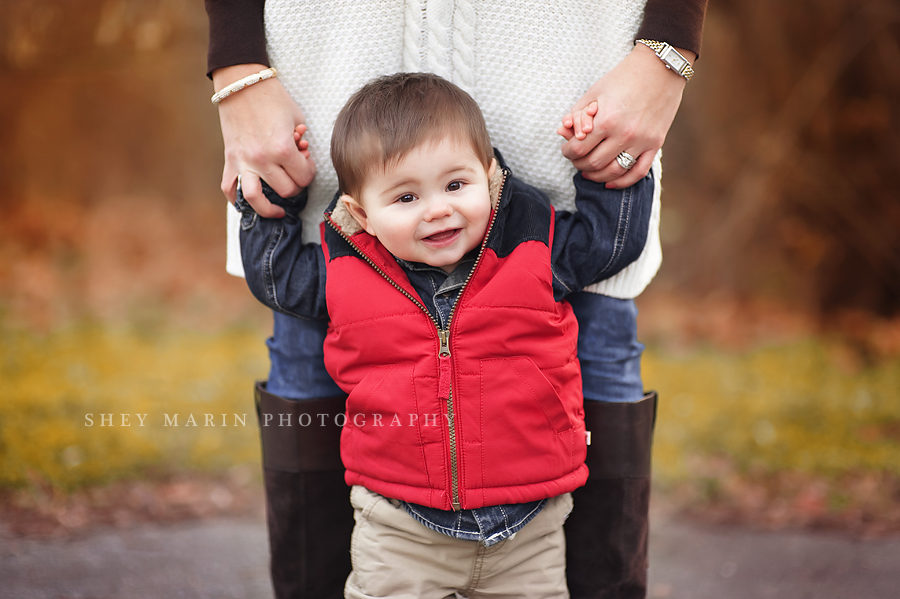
227, 559
690, 561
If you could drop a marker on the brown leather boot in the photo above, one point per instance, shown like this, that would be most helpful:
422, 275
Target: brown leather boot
307, 501
606, 533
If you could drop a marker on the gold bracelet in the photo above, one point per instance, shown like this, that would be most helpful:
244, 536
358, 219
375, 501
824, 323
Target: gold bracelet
671, 57
242, 83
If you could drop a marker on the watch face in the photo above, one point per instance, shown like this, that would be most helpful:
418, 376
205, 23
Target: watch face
675, 60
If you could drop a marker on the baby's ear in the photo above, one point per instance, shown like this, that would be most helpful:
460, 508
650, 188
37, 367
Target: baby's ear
358, 214
495, 182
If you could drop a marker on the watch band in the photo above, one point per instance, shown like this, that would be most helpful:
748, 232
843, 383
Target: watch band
671, 57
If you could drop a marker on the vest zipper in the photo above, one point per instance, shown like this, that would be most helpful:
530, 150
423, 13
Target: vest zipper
443, 335
444, 357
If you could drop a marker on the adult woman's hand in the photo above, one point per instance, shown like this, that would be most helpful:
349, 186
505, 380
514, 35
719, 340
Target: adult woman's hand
636, 104
258, 128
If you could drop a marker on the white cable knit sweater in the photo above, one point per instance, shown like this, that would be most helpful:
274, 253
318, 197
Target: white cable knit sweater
526, 62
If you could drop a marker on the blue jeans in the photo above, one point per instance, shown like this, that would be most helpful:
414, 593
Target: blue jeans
297, 367
607, 347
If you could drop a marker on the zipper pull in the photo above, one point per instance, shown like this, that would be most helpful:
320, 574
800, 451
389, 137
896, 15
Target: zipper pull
445, 342
445, 374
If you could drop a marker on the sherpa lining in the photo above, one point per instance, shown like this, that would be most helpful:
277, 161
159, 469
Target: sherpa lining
344, 220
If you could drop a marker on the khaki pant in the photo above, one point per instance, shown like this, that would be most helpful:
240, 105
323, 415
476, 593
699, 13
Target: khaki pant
395, 556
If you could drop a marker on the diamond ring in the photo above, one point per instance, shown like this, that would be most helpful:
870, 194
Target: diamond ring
626, 160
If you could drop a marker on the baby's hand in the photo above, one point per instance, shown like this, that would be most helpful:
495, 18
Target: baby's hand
302, 144
578, 125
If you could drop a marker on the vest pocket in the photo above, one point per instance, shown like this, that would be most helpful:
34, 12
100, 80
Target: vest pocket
527, 435
520, 391
381, 436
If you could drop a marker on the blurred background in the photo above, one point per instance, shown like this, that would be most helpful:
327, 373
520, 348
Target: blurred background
773, 328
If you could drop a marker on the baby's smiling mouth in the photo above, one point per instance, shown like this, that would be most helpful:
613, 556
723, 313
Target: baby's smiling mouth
442, 236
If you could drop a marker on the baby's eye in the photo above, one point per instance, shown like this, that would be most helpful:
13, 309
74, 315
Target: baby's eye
406, 198
454, 186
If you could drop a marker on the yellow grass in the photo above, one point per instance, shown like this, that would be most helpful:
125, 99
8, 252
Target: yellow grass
785, 408
798, 407
56, 388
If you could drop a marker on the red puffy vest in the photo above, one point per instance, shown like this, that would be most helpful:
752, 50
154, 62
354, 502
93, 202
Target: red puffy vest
486, 413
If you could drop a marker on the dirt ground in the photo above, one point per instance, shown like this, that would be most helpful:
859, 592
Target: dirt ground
227, 557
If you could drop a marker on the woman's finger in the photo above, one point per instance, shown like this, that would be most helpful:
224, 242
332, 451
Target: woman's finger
635, 173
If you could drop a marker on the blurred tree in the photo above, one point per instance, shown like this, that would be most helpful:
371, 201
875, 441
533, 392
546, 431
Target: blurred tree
781, 169
110, 155
790, 167
104, 98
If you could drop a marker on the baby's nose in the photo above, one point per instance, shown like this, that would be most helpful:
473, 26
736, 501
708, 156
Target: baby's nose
438, 209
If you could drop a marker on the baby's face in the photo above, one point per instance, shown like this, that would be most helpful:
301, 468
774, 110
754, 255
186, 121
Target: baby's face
432, 207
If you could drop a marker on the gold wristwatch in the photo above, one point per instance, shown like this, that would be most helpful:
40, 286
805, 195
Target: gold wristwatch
671, 57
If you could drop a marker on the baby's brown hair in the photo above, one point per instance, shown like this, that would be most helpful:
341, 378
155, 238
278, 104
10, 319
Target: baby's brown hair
392, 115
